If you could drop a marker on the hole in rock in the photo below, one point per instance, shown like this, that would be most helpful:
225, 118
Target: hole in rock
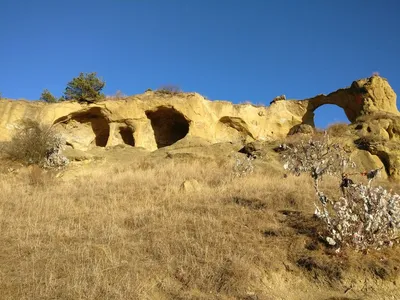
329, 114
169, 125
92, 119
127, 135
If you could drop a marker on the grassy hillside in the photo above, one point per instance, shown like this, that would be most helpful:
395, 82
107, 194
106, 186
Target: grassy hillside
131, 230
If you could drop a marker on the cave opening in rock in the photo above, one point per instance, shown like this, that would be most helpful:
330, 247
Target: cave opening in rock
169, 125
92, 118
385, 159
127, 136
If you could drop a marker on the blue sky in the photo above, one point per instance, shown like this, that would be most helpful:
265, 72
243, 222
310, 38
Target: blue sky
237, 50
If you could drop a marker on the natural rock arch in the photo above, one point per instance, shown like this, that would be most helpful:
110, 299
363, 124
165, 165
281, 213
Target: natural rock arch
169, 125
363, 97
313, 104
328, 114
92, 118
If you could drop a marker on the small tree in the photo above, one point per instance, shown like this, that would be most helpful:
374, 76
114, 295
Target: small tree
47, 96
85, 88
317, 156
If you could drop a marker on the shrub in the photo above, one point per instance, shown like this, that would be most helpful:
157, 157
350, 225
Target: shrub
85, 88
302, 129
246, 102
47, 96
363, 217
169, 90
119, 95
316, 156
339, 130
34, 143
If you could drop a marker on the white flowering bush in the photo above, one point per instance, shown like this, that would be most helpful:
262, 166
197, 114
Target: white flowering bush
363, 216
243, 166
316, 156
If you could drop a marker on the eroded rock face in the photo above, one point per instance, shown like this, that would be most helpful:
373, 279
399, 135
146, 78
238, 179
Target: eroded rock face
152, 120
85, 128
379, 134
363, 97
366, 161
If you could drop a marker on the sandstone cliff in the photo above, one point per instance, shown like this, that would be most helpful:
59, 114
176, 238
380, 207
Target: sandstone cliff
153, 120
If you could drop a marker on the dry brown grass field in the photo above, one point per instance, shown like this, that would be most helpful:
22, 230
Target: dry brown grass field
129, 231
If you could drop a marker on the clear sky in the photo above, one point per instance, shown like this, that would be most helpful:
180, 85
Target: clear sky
237, 50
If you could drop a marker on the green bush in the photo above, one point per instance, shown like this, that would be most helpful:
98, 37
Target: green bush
85, 88
47, 96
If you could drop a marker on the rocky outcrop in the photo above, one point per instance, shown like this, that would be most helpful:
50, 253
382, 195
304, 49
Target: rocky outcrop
363, 97
153, 120
379, 134
365, 161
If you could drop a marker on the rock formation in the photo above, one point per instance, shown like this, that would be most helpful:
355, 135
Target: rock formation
363, 97
153, 120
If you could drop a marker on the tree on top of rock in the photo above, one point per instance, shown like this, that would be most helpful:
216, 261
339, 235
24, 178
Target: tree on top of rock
85, 88
47, 96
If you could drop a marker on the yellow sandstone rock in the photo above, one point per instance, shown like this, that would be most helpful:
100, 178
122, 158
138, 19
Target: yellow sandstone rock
153, 120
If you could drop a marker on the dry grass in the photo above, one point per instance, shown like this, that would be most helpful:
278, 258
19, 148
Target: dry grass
119, 95
132, 233
339, 130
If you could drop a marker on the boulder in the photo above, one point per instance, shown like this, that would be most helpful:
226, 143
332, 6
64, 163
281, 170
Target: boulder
365, 161
302, 129
278, 98
190, 186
